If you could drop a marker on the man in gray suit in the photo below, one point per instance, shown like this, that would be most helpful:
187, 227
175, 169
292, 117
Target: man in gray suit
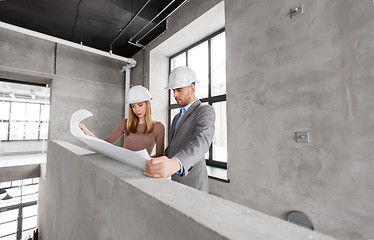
191, 134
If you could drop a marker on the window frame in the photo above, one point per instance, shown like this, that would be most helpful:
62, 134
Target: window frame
20, 206
39, 122
210, 99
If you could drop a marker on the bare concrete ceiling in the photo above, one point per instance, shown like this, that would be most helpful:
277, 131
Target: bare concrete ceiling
101, 24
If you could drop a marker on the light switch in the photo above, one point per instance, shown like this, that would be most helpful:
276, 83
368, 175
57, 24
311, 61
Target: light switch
297, 11
302, 137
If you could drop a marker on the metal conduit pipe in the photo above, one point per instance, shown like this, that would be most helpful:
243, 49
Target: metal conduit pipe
127, 69
151, 20
165, 18
130, 61
142, 46
124, 28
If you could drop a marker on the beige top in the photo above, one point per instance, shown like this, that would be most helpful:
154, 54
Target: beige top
138, 141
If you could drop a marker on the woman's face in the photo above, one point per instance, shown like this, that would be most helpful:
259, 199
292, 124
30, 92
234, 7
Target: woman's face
139, 109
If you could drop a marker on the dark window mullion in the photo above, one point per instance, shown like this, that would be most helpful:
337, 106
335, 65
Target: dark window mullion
8, 235
15, 220
19, 225
26, 204
210, 68
169, 102
218, 164
173, 106
25, 230
210, 87
219, 98
19, 219
30, 216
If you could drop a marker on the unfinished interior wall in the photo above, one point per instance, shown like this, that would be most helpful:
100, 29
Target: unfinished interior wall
78, 80
86, 81
309, 73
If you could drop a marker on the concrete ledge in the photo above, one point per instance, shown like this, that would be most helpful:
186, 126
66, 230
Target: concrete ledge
17, 167
19, 172
89, 196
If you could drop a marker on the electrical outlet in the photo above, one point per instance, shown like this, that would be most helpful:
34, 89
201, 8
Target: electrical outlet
297, 11
302, 137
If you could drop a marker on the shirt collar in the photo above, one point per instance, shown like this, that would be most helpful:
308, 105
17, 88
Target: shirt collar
189, 105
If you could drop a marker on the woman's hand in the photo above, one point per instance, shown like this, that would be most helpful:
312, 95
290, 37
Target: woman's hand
85, 130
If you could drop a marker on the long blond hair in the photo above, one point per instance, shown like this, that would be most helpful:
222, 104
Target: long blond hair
133, 120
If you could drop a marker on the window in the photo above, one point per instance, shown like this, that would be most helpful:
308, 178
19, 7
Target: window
5, 109
24, 110
18, 215
198, 60
23, 121
208, 60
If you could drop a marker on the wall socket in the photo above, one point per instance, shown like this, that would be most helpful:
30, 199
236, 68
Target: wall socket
297, 11
302, 137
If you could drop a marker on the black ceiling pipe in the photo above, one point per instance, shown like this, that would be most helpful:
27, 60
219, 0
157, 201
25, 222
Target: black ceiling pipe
171, 2
124, 28
165, 18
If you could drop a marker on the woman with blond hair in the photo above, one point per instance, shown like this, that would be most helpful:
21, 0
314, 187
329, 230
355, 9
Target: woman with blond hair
140, 130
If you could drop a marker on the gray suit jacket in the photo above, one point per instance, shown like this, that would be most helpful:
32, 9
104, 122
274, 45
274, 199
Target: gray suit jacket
190, 142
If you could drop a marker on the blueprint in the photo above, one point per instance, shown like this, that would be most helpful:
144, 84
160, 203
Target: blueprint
136, 159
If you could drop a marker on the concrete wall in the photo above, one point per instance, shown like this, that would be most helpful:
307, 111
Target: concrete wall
90, 196
310, 73
78, 80
84, 80
19, 51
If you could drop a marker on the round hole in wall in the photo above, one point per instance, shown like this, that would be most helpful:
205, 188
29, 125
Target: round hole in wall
300, 219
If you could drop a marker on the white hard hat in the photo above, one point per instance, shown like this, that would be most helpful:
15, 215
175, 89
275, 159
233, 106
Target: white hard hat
181, 77
138, 94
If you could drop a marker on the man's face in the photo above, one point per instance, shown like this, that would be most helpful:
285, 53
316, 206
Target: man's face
185, 95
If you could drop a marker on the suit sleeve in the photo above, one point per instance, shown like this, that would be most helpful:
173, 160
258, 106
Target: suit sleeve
195, 149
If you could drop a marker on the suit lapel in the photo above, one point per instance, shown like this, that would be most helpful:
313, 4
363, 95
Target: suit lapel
175, 119
185, 116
